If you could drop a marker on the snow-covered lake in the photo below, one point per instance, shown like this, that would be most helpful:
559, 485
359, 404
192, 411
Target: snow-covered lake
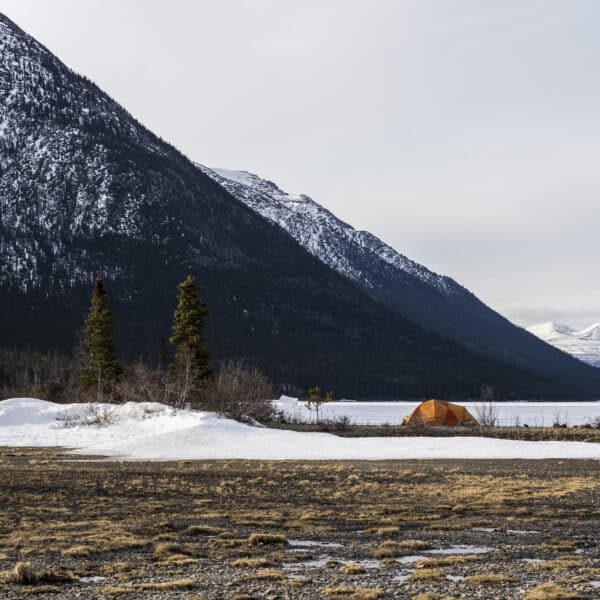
534, 414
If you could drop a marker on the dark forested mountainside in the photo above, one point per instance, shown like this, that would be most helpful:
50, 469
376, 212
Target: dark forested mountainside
86, 190
409, 289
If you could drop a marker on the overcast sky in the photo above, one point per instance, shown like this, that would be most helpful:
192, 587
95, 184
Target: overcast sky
465, 134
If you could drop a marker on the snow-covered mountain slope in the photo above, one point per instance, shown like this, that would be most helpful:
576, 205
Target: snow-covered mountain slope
434, 301
583, 344
351, 252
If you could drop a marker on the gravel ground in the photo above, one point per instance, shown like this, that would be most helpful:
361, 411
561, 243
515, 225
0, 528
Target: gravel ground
241, 529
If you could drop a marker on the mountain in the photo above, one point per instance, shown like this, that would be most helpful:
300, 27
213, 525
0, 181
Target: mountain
583, 344
409, 289
86, 189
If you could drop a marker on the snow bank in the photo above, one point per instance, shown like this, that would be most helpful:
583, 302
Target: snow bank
151, 431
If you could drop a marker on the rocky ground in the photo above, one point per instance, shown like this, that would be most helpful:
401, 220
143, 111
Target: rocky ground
239, 529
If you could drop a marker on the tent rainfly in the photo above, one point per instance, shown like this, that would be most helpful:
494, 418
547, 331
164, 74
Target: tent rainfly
439, 412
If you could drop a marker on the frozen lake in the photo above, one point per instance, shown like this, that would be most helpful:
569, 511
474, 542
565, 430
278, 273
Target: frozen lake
534, 414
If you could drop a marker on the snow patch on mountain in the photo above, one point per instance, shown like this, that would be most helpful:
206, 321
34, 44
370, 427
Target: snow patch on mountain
349, 251
583, 344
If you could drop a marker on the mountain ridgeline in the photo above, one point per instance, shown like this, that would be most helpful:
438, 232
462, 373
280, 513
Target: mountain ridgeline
409, 289
85, 190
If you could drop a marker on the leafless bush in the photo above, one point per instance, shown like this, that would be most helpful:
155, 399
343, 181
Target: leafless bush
239, 392
487, 414
557, 419
142, 384
93, 414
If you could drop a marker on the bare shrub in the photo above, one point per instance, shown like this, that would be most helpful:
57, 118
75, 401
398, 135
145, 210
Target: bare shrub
239, 392
93, 414
558, 420
487, 414
142, 384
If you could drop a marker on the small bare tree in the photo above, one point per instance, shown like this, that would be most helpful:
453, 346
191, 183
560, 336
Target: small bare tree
487, 411
487, 414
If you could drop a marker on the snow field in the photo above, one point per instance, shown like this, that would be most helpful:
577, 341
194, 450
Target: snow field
152, 431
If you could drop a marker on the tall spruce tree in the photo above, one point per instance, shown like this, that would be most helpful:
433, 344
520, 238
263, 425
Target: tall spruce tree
100, 367
190, 367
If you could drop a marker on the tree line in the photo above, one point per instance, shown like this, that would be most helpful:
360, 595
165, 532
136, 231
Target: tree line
183, 377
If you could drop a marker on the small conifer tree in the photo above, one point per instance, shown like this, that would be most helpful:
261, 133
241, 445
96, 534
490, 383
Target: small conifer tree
190, 366
100, 365
315, 400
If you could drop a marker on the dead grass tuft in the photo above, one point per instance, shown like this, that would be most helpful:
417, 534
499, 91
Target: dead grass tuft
489, 579
551, 591
203, 530
448, 561
391, 549
252, 562
267, 539
171, 548
269, 575
78, 551
356, 593
22, 574
353, 569
428, 575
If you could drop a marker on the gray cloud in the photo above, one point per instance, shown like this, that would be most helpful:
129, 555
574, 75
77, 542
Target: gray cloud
466, 134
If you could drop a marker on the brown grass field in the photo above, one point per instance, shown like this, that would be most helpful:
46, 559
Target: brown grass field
242, 529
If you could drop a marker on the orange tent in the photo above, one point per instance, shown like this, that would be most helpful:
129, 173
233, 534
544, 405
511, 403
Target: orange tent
439, 412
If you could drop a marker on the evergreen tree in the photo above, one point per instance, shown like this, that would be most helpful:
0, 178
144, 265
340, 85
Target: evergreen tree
190, 367
315, 400
101, 366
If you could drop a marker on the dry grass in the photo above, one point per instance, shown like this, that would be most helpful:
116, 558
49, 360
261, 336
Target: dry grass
353, 569
162, 586
561, 563
385, 531
267, 539
559, 545
160, 522
172, 548
489, 579
208, 530
22, 574
252, 563
391, 549
78, 551
551, 591
355, 593
269, 574
428, 575
448, 561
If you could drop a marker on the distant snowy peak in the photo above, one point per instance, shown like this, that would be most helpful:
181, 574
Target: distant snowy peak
590, 333
583, 344
351, 252
550, 330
